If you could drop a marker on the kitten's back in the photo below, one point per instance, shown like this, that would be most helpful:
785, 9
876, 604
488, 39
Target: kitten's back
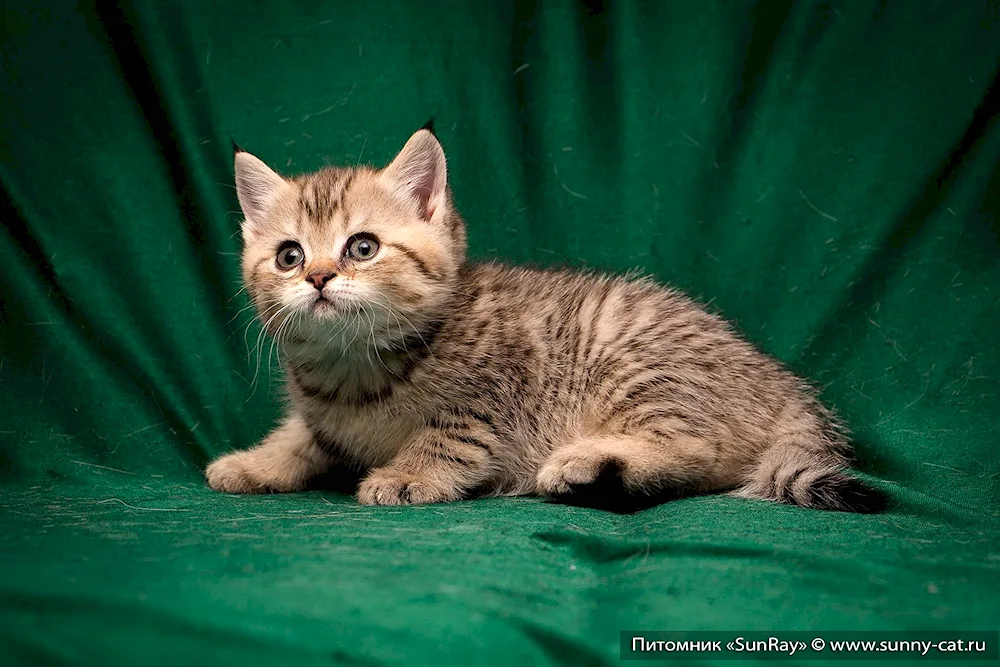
573, 355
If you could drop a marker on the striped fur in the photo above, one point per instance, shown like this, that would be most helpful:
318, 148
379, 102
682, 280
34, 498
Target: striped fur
438, 380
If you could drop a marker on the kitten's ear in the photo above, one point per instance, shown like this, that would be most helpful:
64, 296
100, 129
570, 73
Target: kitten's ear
257, 186
419, 173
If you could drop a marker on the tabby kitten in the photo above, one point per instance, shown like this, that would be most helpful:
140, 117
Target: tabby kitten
439, 380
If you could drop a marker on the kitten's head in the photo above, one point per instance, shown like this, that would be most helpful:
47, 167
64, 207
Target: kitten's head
351, 246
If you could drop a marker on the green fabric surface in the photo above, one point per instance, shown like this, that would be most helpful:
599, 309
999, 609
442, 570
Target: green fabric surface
823, 174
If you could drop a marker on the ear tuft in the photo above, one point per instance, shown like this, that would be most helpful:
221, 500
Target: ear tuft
429, 126
419, 173
236, 147
257, 186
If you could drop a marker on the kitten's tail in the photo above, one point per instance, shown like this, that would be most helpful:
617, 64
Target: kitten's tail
793, 473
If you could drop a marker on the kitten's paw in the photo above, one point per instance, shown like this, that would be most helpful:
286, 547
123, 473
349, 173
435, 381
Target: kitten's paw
385, 486
254, 471
564, 471
231, 474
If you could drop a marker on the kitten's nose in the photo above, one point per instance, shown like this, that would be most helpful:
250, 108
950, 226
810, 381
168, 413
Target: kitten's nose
320, 279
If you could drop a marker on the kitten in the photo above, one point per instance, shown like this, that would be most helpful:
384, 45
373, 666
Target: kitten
439, 380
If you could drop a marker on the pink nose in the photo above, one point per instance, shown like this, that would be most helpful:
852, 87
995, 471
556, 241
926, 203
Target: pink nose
319, 280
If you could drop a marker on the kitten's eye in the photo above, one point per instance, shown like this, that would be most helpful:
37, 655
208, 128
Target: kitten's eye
289, 256
362, 246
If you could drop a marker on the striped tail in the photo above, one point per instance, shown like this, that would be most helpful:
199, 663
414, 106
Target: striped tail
793, 474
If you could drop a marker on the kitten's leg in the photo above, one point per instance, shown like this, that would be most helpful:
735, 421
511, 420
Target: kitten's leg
645, 462
284, 461
446, 459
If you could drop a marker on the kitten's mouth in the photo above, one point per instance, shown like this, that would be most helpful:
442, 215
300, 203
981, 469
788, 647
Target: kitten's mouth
324, 306
322, 303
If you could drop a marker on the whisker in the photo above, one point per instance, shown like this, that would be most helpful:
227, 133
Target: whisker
260, 351
362, 150
241, 290
414, 328
238, 313
399, 325
246, 332
374, 341
368, 317
356, 332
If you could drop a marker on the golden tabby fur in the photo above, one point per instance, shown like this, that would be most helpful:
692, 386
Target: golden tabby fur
437, 379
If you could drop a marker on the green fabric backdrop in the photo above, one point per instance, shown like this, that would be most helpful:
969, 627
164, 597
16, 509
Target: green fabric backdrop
824, 174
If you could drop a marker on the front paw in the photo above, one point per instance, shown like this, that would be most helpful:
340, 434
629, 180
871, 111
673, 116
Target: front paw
385, 486
232, 474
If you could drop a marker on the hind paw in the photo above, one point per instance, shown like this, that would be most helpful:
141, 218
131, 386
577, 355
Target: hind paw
562, 473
